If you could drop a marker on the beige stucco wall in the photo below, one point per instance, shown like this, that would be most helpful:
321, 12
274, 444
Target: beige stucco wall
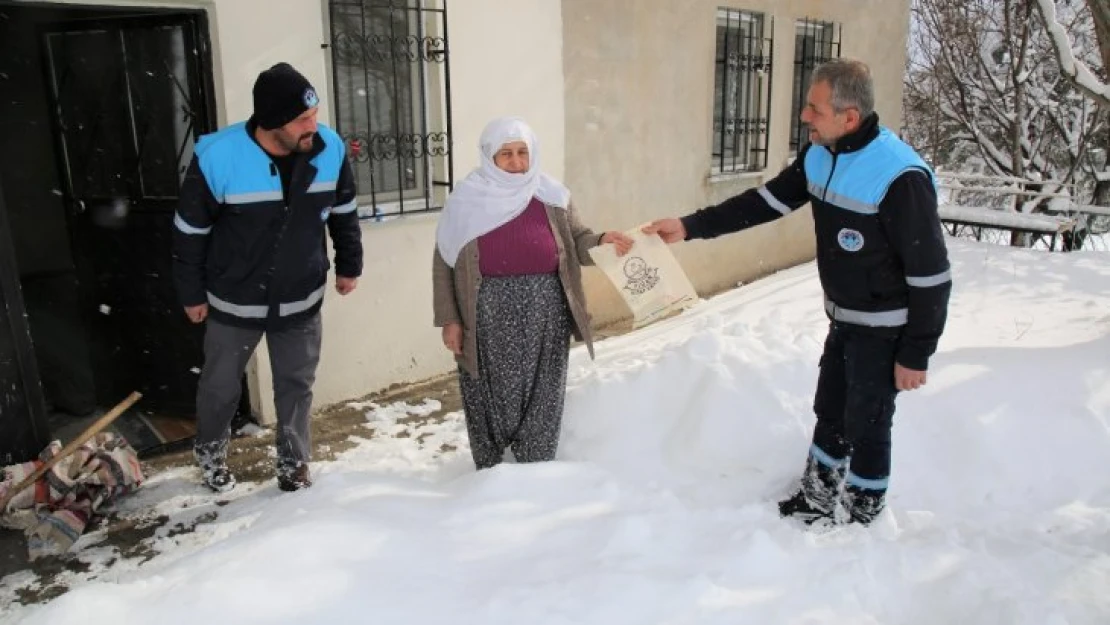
639, 88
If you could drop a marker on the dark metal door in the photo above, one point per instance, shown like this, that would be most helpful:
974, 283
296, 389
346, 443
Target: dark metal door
130, 95
23, 430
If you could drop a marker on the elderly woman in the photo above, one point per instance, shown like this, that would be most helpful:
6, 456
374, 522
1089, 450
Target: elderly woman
508, 294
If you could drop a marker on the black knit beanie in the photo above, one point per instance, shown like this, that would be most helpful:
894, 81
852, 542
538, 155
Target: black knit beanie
281, 94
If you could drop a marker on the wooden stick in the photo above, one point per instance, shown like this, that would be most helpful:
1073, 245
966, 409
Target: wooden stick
89, 432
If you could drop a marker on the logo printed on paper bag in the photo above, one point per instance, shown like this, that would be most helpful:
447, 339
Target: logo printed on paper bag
641, 278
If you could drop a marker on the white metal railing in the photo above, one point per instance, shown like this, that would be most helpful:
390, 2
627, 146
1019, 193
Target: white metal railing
994, 204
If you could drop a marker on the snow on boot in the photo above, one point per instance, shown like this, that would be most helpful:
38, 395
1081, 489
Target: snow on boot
864, 504
818, 494
798, 507
821, 484
212, 459
219, 478
293, 476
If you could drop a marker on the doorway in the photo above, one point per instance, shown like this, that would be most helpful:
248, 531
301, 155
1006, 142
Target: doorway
105, 106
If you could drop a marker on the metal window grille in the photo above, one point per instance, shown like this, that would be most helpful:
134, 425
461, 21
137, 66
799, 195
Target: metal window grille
742, 91
814, 43
392, 100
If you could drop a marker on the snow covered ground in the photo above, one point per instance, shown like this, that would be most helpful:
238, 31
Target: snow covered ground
677, 442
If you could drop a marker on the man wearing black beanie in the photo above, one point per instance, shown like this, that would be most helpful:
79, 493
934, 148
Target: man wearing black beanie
284, 105
250, 260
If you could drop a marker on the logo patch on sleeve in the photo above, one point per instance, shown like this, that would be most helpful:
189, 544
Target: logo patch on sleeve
850, 240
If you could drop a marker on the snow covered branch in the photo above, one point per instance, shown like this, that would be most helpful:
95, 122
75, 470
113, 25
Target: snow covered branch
985, 93
1071, 66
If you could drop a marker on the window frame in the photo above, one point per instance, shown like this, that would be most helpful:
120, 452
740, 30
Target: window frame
804, 64
415, 158
742, 80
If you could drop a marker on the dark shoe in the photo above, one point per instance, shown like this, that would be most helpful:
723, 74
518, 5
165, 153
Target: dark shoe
800, 508
212, 459
864, 505
218, 478
295, 478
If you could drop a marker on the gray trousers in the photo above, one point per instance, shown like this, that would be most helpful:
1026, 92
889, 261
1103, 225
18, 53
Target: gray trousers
294, 354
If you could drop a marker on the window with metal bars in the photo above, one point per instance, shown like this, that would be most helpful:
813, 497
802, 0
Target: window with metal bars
391, 97
814, 43
742, 91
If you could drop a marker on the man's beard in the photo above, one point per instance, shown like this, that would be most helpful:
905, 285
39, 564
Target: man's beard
295, 145
816, 139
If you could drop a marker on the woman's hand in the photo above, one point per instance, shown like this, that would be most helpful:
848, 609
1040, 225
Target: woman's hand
620, 240
452, 338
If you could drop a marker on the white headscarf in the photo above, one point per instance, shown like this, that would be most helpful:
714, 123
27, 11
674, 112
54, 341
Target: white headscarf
489, 196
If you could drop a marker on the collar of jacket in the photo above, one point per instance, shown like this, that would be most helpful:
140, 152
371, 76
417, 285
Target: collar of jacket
317, 141
855, 141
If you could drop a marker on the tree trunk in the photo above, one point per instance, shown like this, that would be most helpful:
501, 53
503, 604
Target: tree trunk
1017, 239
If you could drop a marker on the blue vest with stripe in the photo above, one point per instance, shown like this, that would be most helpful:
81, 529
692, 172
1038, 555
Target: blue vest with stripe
266, 262
238, 170
861, 178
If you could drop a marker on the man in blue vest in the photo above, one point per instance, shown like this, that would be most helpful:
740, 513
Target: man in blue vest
250, 260
884, 269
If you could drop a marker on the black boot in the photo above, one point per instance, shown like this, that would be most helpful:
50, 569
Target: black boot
212, 459
821, 484
219, 478
863, 504
817, 496
798, 507
293, 476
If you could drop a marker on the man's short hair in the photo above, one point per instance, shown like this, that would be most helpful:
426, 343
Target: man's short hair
851, 84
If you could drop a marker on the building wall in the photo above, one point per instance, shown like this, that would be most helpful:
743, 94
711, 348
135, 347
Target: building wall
639, 87
620, 95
